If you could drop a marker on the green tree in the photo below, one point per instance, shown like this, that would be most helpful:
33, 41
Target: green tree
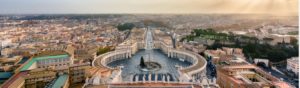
103, 50
125, 26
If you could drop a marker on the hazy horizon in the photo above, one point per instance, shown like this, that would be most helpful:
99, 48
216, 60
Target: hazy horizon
265, 7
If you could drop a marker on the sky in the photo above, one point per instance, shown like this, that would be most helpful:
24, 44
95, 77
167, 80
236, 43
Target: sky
273, 7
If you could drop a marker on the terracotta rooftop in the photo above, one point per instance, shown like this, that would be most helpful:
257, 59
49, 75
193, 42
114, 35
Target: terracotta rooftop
13, 79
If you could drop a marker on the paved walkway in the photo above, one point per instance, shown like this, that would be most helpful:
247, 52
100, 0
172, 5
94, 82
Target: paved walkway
130, 65
131, 69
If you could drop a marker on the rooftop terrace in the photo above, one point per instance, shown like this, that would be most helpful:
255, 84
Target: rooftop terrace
33, 60
60, 81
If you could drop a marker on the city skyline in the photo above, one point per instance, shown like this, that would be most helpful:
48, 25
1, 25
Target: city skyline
149, 44
269, 7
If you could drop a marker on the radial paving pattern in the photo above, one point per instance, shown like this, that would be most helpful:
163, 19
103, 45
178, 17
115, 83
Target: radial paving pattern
131, 65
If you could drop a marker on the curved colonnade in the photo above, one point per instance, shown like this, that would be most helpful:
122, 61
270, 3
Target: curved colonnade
193, 72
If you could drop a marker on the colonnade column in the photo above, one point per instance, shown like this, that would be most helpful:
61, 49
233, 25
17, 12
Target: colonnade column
149, 77
156, 77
